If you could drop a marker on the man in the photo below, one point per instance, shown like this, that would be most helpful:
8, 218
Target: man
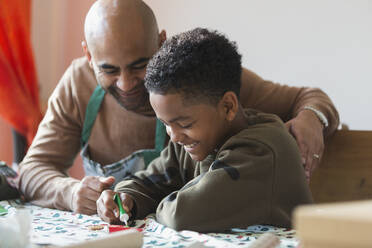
117, 130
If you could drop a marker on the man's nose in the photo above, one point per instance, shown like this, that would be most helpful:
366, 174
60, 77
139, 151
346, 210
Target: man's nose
126, 82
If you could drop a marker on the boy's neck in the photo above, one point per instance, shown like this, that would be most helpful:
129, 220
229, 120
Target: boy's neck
238, 124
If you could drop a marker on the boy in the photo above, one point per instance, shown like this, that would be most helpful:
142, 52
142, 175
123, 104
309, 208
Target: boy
224, 167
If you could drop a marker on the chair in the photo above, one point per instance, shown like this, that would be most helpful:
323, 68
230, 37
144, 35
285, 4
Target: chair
19, 148
8, 191
345, 172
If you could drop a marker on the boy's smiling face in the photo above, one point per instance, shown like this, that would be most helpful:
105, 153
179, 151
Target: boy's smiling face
199, 127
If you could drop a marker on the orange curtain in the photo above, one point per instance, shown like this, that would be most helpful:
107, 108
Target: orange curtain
19, 96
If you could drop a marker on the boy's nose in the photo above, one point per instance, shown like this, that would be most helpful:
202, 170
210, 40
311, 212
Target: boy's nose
176, 137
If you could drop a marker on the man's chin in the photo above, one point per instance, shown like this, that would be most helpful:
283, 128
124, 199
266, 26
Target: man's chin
138, 103
138, 106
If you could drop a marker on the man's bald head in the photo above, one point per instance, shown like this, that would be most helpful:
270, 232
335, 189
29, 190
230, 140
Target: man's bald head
121, 18
120, 38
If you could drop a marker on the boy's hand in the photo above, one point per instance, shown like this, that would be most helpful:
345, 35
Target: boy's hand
88, 191
107, 208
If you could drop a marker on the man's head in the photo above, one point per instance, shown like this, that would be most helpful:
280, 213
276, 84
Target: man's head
120, 38
194, 83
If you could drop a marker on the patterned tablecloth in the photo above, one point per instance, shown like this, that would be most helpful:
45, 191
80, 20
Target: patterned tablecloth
56, 227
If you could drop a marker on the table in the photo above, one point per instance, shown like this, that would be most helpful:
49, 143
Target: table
56, 227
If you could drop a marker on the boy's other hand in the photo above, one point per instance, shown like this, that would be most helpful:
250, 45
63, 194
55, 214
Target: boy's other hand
107, 208
87, 193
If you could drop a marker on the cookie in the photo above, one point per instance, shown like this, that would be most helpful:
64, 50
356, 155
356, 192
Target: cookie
96, 227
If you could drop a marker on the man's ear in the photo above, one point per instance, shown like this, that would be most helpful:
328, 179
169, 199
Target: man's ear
230, 105
162, 37
86, 52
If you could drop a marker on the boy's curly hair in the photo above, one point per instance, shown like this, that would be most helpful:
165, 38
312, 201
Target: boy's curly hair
200, 64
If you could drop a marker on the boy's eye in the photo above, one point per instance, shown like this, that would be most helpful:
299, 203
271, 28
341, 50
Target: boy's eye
187, 125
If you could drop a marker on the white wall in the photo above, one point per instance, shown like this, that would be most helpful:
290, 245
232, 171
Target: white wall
57, 32
318, 43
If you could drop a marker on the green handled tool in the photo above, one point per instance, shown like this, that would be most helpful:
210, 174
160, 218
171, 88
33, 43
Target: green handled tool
3, 211
124, 217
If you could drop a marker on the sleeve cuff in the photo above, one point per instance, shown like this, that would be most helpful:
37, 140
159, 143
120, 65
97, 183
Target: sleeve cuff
322, 118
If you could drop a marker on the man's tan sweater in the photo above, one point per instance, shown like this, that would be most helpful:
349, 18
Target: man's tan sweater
117, 133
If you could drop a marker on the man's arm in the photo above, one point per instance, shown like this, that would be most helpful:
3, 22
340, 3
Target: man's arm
284, 101
291, 105
43, 173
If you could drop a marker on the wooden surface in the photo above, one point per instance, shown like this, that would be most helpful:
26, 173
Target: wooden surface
345, 172
336, 225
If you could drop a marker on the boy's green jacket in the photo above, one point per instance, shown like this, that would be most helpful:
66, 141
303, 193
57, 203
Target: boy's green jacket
256, 177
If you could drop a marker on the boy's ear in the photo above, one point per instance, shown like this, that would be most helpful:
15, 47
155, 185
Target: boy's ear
230, 105
86, 52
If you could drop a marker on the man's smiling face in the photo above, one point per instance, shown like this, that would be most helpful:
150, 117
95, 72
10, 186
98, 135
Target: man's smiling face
200, 128
120, 69
124, 81
121, 37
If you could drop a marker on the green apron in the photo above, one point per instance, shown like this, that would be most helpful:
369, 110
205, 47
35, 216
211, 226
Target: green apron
126, 166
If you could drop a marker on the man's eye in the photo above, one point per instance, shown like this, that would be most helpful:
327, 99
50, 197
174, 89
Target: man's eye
139, 67
110, 72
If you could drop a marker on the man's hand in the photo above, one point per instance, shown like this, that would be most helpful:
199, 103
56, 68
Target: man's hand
88, 191
308, 132
107, 208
